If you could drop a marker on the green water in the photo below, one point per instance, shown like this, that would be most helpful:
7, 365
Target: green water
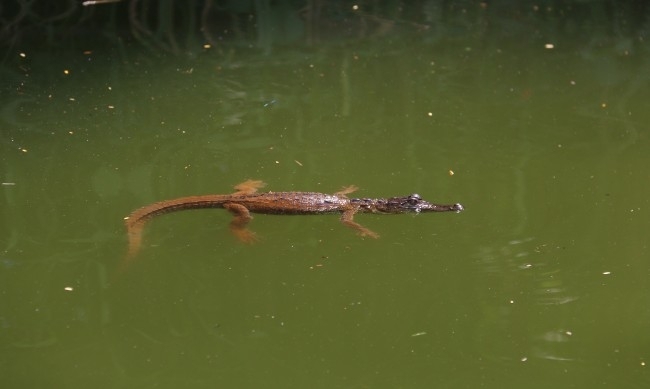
543, 281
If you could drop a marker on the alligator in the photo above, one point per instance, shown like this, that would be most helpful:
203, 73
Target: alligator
247, 200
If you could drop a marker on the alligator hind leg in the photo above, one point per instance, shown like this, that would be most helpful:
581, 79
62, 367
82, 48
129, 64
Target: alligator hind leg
347, 219
249, 187
238, 223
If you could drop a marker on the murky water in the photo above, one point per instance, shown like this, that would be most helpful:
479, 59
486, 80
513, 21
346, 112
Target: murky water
542, 282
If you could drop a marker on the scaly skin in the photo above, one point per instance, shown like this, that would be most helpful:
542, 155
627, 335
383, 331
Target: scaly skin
246, 200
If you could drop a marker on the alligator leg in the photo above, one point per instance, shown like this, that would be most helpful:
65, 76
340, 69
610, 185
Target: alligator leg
348, 215
347, 219
249, 187
346, 190
241, 217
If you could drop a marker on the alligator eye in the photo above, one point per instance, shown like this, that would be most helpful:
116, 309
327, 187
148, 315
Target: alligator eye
414, 199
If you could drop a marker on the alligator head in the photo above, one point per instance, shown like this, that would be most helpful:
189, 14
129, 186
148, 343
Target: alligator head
406, 204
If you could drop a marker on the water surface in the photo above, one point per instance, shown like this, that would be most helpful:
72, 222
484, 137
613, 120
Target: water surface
541, 282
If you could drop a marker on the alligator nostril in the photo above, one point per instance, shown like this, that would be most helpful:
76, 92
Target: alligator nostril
458, 207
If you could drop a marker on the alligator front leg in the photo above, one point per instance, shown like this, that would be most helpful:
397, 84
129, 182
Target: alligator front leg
347, 219
241, 217
346, 190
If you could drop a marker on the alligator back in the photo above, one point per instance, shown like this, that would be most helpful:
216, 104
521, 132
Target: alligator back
292, 203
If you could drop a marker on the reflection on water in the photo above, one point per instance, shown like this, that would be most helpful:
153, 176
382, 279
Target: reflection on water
531, 281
